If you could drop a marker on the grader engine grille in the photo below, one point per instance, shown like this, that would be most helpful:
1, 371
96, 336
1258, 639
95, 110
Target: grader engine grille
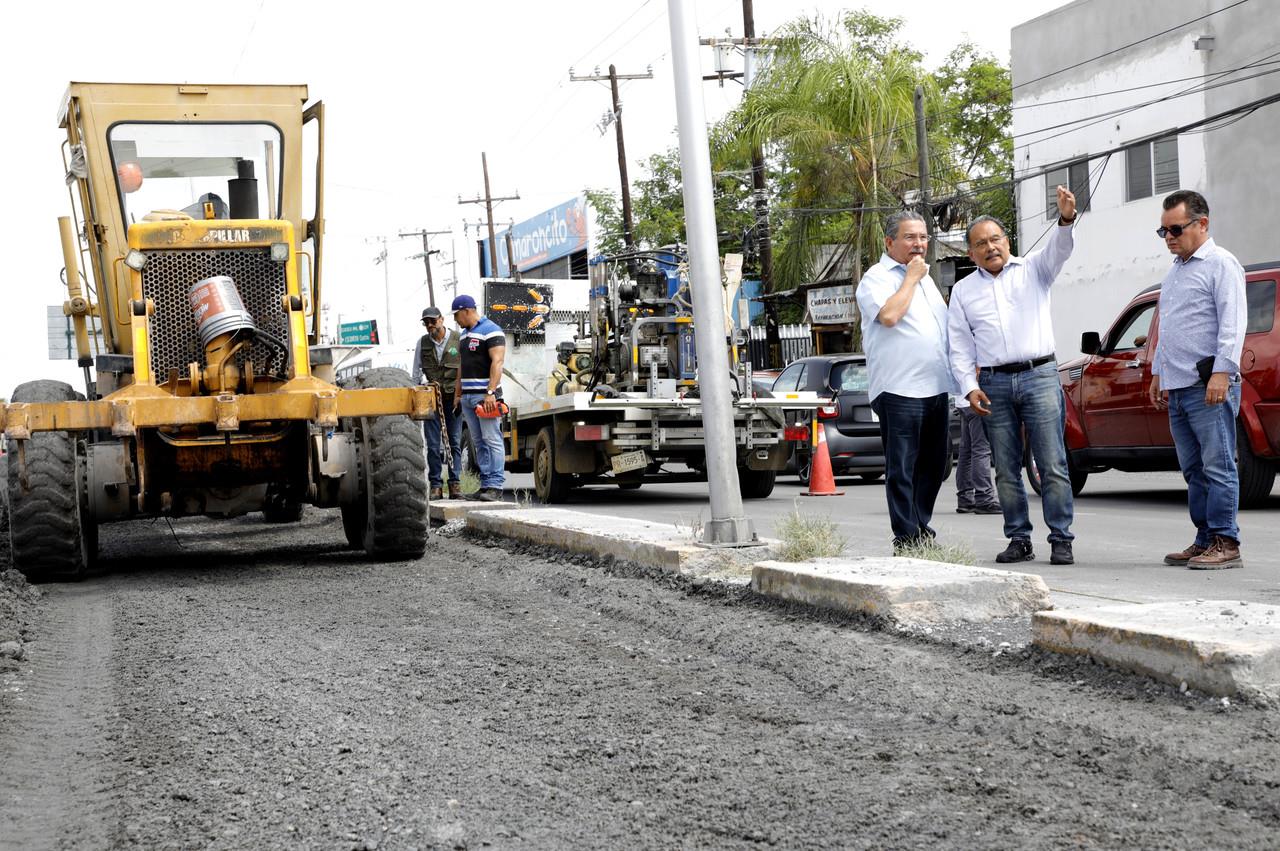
167, 280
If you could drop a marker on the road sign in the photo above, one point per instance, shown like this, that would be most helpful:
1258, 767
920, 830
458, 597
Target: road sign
358, 333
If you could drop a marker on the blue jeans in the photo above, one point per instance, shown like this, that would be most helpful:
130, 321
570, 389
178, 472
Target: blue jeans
435, 448
916, 443
1033, 401
1205, 437
486, 437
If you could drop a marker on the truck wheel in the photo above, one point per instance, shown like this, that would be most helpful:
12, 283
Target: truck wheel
51, 534
1078, 477
1256, 475
756, 484
629, 486
391, 521
551, 487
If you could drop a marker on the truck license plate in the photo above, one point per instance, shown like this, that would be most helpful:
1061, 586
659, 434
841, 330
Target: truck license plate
628, 461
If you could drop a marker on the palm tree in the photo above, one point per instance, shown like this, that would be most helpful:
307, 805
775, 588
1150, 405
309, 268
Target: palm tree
839, 114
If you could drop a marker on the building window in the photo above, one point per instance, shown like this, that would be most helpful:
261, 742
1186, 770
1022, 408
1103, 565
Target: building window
1152, 168
1074, 176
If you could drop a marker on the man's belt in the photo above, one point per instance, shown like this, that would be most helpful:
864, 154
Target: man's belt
1019, 366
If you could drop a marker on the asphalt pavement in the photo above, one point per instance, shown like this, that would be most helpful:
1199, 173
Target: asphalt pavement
1124, 524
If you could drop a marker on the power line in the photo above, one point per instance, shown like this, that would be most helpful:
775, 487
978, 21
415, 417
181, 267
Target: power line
1091, 120
1130, 44
1207, 124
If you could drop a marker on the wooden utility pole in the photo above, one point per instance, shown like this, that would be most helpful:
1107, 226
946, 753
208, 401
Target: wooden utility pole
426, 257
764, 240
922, 155
488, 200
616, 119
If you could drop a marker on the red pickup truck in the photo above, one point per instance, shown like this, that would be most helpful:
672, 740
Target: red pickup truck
1112, 425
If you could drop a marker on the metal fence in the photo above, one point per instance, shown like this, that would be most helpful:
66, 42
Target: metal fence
797, 342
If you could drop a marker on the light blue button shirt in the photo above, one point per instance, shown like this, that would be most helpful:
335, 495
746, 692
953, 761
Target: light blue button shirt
1203, 312
910, 358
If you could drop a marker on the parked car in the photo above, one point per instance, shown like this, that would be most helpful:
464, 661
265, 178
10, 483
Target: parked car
1111, 425
852, 427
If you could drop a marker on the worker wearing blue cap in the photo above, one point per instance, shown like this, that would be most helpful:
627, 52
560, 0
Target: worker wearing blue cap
479, 391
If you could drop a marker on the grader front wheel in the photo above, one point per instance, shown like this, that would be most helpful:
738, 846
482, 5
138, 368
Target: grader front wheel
390, 521
51, 533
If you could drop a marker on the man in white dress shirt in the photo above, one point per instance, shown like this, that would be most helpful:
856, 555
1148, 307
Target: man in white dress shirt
904, 333
1002, 332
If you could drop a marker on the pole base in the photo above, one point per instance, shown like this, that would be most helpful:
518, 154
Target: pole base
730, 532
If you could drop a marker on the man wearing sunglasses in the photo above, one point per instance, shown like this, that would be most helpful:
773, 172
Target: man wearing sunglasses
437, 359
1196, 375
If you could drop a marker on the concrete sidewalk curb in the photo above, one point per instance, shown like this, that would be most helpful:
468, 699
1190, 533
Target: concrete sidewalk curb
904, 590
444, 510
664, 546
1219, 647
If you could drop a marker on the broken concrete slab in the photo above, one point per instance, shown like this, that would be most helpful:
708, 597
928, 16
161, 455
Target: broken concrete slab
1220, 647
905, 590
662, 545
444, 510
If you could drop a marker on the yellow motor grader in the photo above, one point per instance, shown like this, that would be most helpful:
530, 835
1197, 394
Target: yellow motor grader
194, 320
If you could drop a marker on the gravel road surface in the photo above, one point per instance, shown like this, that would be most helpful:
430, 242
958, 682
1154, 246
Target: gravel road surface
242, 685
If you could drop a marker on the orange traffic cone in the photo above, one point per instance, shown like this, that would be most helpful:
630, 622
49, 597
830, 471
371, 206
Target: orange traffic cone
821, 480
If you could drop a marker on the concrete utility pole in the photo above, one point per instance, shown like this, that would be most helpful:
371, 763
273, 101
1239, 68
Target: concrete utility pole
922, 155
488, 200
616, 119
426, 257
728, 525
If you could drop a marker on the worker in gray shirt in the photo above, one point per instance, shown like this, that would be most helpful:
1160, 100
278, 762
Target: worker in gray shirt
436, 359
1196, 374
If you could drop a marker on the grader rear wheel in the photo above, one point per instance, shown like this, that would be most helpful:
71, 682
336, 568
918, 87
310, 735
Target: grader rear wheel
51, 534
391, 521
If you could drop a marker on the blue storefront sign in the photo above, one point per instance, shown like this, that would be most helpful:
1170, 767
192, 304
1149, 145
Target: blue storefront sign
548, 236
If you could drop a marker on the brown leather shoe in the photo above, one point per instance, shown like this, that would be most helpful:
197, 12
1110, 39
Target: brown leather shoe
455, 490
1224, 553
1180, 559
436, 493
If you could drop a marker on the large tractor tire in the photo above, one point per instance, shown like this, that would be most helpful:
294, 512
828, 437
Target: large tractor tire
51, 533
391, 521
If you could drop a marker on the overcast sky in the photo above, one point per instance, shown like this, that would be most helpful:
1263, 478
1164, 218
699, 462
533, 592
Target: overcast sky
414, 93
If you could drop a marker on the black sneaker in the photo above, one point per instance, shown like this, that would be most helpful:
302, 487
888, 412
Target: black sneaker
1061, 553
1018, 550
987, 508
965, 508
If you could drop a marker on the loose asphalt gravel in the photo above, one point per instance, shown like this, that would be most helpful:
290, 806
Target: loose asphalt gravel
242, 685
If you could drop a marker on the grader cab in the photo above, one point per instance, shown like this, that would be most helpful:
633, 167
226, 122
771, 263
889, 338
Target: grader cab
193, 325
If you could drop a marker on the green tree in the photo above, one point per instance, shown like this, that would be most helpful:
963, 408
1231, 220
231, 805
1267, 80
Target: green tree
836, 108
977, 96
657, 207
608, 219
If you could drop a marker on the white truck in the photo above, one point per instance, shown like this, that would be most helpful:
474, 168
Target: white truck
601, 380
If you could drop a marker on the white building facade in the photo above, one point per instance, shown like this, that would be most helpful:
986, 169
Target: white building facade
1062, 120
